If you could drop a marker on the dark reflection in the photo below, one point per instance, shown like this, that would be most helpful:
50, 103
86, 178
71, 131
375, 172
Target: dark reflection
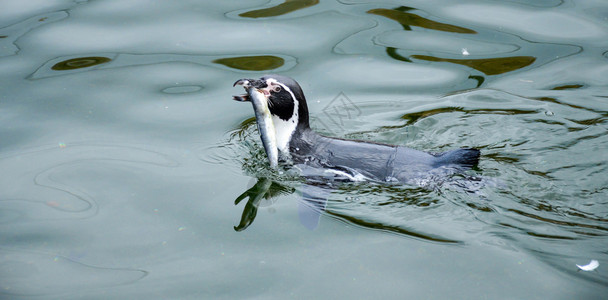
252, 63
315, 196
412, 118
567, 87
392, 52
407, 19
482, 208
590, 122
556, 101
394, 229
281, 9
263, 189
80, 62
488, 66
479, 79
3, 36
508, 158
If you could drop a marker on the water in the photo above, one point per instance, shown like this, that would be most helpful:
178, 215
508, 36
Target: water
122, 155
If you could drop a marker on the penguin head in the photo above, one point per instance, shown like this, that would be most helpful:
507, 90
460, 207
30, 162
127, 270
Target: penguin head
286, 103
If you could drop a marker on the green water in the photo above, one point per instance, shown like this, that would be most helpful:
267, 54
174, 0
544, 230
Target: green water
123, 157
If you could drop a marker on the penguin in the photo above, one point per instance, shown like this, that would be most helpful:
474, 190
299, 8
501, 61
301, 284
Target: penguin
352, 159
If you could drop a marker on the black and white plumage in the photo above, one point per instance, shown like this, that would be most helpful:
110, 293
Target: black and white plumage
352, 158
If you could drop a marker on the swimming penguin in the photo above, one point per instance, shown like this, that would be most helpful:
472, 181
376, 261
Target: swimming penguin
351, 158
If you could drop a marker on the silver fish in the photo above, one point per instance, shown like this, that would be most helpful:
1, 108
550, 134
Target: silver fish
263, 119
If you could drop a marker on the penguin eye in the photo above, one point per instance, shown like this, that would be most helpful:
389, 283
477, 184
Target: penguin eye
276, 88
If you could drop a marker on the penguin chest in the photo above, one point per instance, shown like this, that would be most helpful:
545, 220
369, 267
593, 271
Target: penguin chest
284, 131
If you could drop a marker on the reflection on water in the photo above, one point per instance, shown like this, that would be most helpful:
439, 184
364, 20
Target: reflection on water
281, 9
315, 201
409, 19
79, 63
264, 188
73, 65
392, 52
567, 87
318, 189
488, 66
122, 153
252, 63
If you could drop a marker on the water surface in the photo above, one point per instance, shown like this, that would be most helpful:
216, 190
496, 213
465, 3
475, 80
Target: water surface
123, 158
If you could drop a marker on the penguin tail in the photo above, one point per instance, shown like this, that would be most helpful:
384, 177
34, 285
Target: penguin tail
467, 157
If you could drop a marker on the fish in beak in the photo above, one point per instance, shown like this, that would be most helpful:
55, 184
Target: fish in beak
258, 96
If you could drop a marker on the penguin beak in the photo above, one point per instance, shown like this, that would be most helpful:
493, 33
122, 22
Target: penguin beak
244, 82
247, 83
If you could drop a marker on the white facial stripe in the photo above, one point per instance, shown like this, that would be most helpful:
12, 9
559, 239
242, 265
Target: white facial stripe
271, 81
284, 129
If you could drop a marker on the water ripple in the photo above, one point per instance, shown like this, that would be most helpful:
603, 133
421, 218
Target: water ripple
61, 181
21, 267
280, 9
10, 34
